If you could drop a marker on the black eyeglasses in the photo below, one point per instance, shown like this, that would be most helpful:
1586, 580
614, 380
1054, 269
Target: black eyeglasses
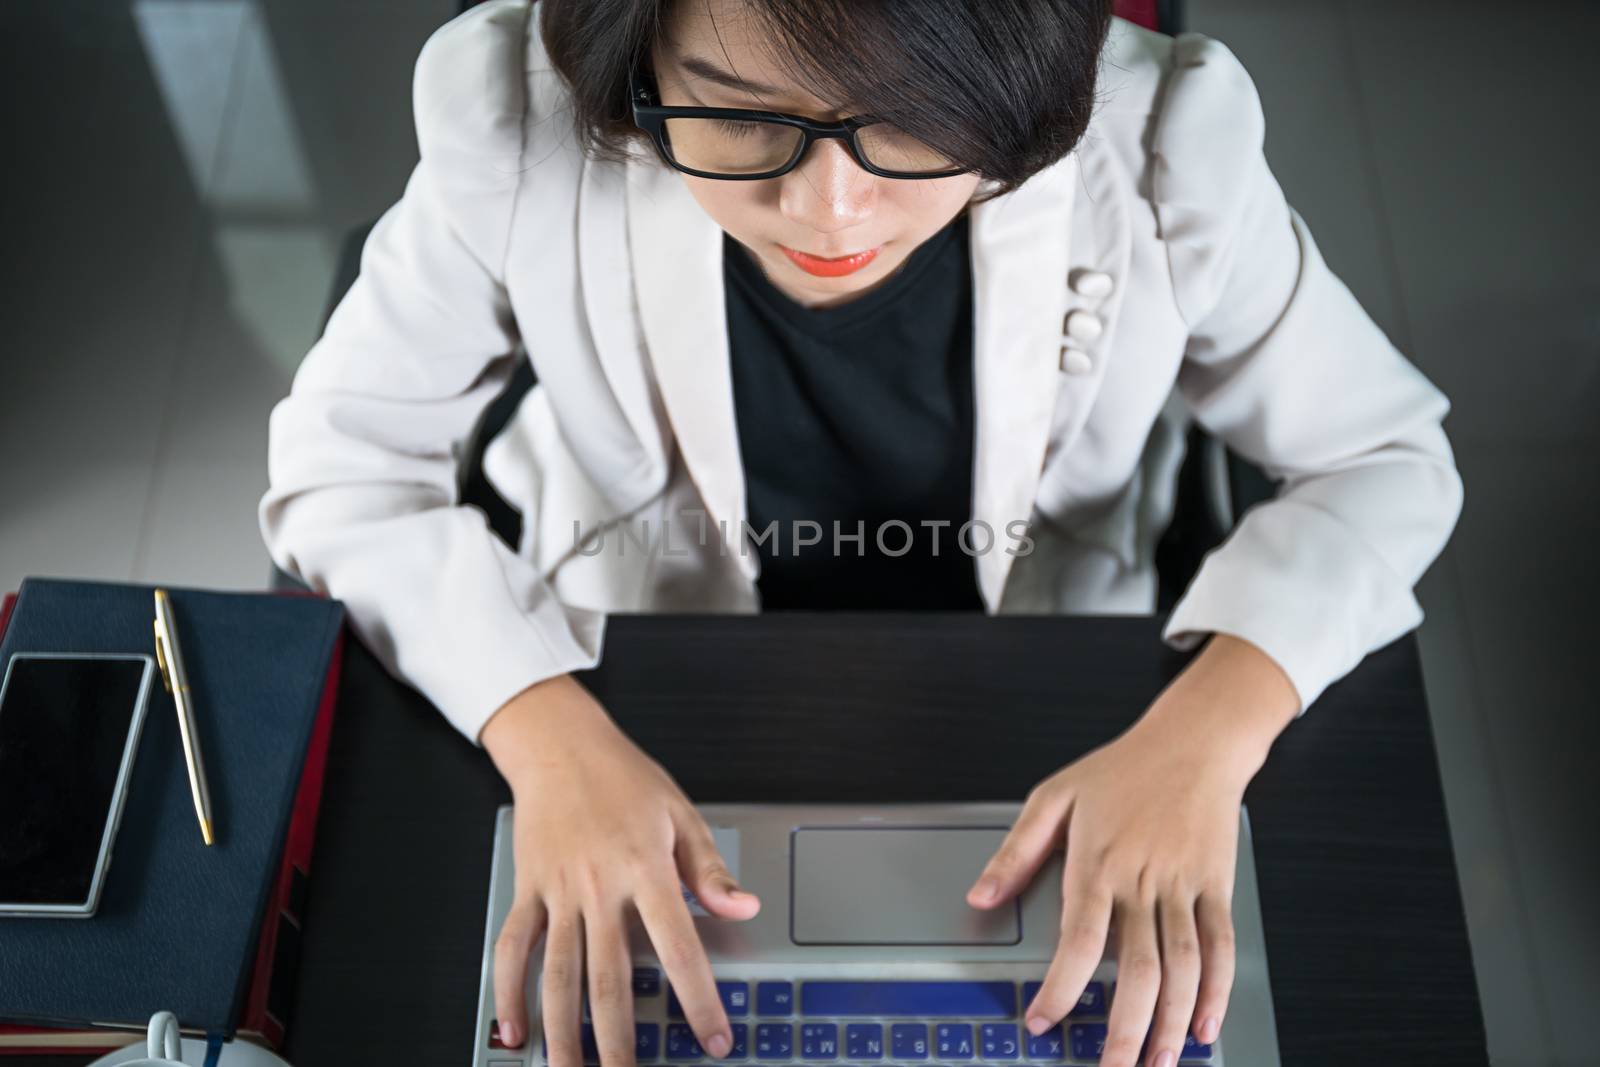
740, 144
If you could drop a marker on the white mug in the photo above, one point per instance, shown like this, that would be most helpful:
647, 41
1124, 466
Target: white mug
162, 1045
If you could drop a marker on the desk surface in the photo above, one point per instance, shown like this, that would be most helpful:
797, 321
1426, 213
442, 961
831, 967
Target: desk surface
1366, 940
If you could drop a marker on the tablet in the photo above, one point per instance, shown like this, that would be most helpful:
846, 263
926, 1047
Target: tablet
69, 729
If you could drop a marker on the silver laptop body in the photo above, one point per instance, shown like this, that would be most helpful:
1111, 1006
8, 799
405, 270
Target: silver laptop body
863, 911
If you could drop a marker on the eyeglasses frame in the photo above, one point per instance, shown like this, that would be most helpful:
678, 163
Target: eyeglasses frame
652, 117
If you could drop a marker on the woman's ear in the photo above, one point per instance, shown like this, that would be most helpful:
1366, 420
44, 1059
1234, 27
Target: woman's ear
986, 188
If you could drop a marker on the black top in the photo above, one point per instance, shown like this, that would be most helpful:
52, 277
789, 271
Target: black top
853, 417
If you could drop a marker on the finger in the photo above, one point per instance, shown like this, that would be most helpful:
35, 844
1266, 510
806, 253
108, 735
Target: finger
1214, 916
610, 968
702, 868
1085, 915
1037, 831
1138, 981
523, 926
677, 944
560, 988
1180, 978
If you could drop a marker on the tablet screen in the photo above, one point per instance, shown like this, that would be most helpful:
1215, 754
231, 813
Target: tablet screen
64, 725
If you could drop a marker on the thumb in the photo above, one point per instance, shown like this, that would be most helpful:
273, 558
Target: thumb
1022, 853
702, 869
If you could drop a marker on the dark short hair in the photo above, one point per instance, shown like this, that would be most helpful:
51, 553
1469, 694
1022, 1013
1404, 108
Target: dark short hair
1003, 88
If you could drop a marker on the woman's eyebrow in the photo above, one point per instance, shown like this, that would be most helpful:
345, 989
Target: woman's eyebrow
704, 68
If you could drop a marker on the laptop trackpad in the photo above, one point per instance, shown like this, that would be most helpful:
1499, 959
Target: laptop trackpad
895, 886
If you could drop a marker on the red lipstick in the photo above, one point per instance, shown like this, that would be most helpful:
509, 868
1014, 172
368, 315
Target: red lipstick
829, 268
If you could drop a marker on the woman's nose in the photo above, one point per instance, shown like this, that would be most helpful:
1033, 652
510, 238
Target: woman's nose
828, 190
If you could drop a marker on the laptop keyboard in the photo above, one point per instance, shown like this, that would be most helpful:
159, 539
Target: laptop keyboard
855, 1023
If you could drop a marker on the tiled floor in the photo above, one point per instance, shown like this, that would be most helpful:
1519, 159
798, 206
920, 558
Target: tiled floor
187, 185
207, 159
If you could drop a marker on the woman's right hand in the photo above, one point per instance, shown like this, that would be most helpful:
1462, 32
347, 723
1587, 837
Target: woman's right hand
598, 827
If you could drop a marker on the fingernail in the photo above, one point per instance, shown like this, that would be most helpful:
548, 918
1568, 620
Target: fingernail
1209, 1030
719, 1045
1166, 1059
985, 890
1038, 1025
508, 1034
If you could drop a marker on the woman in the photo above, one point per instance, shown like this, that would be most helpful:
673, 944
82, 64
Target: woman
922, 357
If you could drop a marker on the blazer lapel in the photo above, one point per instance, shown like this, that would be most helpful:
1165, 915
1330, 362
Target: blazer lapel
605, 273
1020, 259
1102, 241
677, 260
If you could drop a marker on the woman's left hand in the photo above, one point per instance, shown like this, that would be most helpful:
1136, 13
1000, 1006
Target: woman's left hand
1150, 824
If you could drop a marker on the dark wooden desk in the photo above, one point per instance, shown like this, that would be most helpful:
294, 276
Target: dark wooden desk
1366, 941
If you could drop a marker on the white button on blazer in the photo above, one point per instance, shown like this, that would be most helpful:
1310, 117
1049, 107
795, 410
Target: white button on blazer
1164, 229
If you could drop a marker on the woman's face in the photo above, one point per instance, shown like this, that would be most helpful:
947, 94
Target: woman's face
827, 207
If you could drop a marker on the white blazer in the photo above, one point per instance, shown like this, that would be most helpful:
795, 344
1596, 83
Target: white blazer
508, 243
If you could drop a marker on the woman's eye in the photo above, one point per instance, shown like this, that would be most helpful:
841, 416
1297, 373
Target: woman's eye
737, 128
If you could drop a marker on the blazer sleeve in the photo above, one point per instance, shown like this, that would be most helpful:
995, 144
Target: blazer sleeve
1286, 367
362, 502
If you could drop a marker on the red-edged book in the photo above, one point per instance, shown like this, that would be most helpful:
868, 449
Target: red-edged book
277, 948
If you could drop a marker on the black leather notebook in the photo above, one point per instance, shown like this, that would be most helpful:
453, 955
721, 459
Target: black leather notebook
178, 922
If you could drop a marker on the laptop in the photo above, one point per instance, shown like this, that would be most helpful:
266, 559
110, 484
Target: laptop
865, 951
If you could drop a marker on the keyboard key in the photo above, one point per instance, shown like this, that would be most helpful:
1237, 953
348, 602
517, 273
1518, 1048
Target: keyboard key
998, 1041
1193, 1051
953, 1041
1091, 1003
864, 1041
591, 1053
1088, 1040
735, 997
774, 1041
909, 1041
981, 1000
646, 982
646, 1041
819, 1041
774, 998
682, 1044
1047, 1046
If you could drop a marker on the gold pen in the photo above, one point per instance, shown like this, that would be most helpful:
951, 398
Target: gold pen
177, 683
